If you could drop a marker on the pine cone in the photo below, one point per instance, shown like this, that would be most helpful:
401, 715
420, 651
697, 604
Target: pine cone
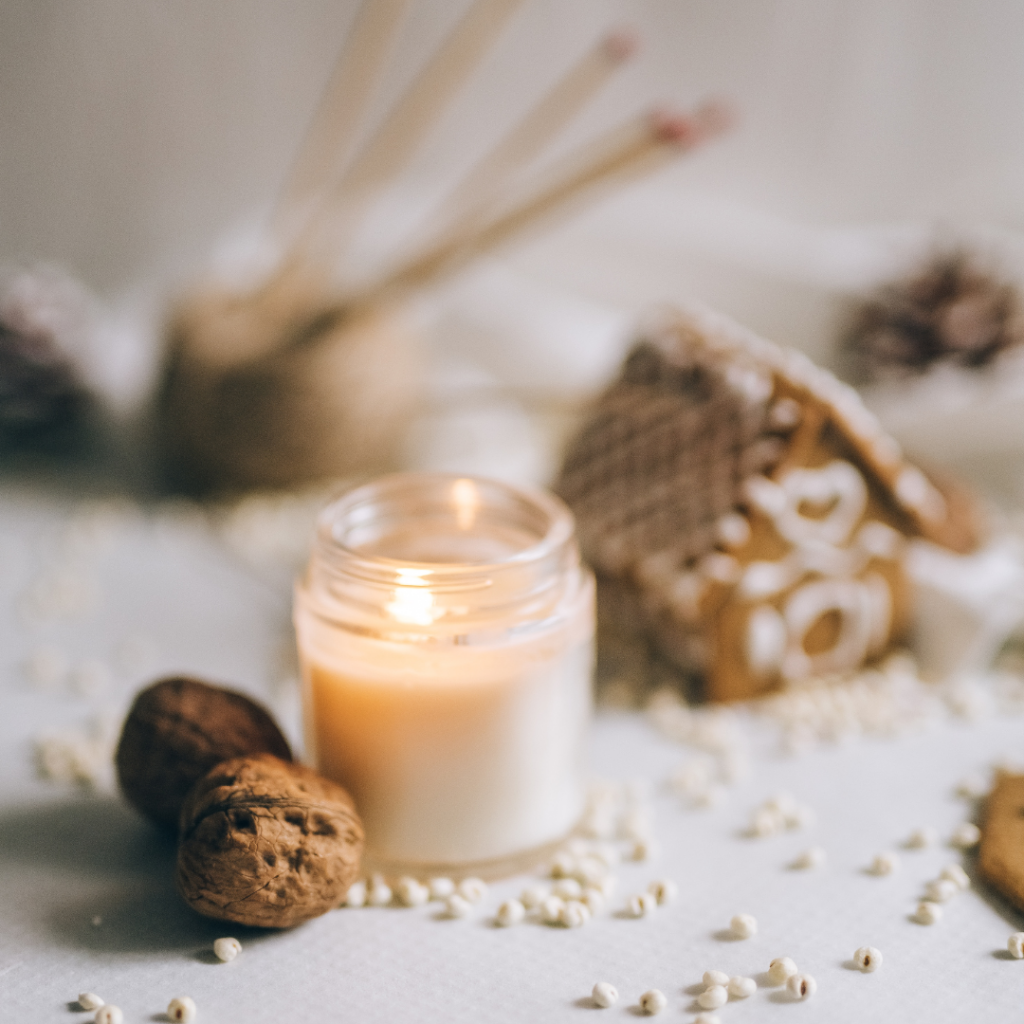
42, 314
952, 311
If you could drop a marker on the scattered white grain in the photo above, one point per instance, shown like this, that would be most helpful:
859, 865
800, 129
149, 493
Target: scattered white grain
89, 1001
942, 890
380, 893
590, 870
712, 978
605, 995
642, 904
1015, 944
713, 997
109, 1014
473, 889
644, 849
801, 986
411, 892
766, 822
928, 912
653, 1002
534, 895
782, 803
458, 906
956, 874
868, 959
800, 816
567, 889
966, 836
574, 914
921, 838
742, 988
780, 970
563, 865
885, 864
743, 926
707, 1018
813, 857
510, 913
227, 949
607, 854
182, 1009
551, 910
356, 895
664, 891
594, 901
441, 888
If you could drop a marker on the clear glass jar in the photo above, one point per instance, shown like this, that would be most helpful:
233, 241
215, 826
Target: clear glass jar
446, 631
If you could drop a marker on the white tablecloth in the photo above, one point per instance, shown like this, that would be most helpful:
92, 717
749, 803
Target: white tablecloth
88, 901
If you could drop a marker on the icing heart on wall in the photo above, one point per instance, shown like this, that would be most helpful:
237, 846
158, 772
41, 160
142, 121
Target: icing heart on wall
836, 491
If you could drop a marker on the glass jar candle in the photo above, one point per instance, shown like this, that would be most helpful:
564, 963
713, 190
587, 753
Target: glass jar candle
446, 637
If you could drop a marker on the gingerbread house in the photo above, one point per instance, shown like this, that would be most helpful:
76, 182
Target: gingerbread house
746, 516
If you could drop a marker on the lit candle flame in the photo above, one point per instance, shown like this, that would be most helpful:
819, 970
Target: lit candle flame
413, 601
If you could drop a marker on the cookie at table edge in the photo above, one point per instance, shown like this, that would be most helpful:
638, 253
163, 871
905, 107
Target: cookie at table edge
1001, 852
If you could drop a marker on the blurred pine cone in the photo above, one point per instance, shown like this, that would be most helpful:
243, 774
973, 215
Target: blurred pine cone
952, 311
43, 314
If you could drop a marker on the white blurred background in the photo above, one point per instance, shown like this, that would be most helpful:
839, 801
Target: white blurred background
138, 136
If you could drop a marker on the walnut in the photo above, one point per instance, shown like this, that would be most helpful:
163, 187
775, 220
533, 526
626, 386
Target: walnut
267, 843
177, 730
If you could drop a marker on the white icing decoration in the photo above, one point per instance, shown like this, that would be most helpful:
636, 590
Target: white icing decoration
766, 640
785, 414
806, 606
839, 484
719, 567
755, 385
765, 579
878, 540
765, 494
915, 492
733, 530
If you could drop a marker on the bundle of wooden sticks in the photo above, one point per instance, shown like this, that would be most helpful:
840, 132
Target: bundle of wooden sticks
303, 375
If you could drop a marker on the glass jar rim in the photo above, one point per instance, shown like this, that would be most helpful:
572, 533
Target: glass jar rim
558, 531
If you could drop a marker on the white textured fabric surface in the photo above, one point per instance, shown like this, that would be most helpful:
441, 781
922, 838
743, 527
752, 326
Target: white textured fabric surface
162, 591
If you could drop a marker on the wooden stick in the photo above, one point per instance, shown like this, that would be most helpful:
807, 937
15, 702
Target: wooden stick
396, 140
637, 149
540, 125
332, 129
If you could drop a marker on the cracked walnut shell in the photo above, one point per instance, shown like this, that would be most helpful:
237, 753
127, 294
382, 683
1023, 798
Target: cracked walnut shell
177, 730
267, 843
